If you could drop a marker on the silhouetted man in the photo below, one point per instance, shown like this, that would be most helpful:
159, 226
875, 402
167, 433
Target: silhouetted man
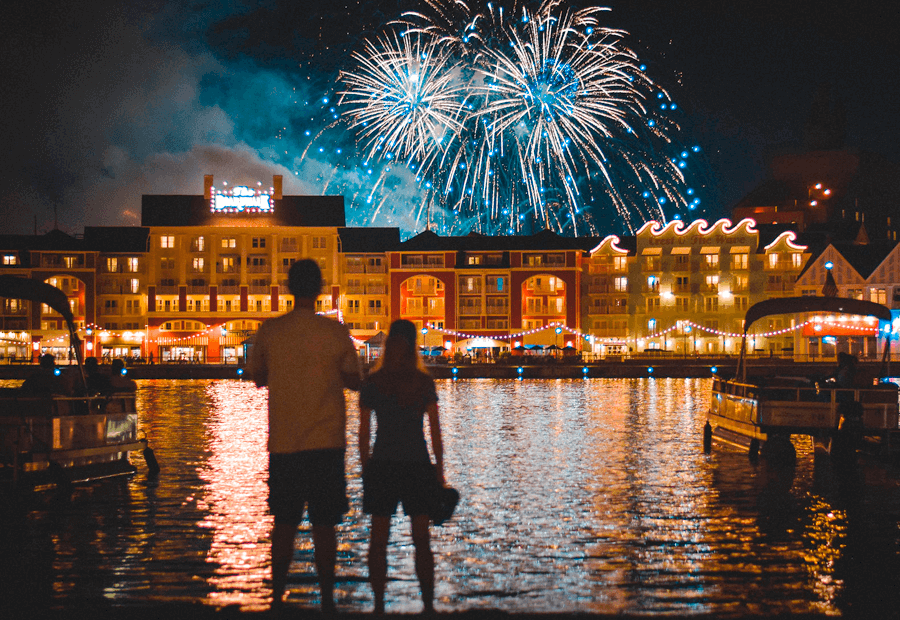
306, 360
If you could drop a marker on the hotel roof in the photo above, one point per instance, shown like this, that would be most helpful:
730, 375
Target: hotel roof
182, 210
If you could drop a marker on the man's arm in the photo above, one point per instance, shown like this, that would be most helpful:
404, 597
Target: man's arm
351, 373
256, 367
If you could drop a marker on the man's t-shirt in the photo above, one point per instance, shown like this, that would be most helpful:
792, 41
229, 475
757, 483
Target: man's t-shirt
300, 356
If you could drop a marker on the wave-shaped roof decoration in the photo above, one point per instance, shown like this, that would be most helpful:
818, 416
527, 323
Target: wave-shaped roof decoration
610, 242
699, 227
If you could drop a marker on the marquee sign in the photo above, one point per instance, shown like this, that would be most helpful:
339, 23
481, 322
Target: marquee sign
241, 199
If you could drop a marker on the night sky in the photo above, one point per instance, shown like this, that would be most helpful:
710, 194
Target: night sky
105, 101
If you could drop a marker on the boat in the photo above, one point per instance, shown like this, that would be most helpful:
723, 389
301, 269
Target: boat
760, 412
55, 439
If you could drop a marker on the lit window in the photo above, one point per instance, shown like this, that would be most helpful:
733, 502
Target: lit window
167, 241
229, 242
112, 264
134, 285
10, 259
797, 260
132, 264
773, 261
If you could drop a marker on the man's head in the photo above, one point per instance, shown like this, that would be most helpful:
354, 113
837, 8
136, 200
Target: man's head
305, 279
48, 361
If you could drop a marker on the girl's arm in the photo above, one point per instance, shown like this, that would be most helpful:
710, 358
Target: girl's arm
365, 430
437, 443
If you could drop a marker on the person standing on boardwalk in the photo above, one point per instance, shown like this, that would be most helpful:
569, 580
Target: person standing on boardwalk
306, 360
399, 468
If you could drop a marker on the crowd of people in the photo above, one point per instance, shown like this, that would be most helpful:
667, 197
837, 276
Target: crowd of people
306, 360
49, 378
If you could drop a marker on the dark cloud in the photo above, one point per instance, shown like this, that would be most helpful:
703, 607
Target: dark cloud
105, 101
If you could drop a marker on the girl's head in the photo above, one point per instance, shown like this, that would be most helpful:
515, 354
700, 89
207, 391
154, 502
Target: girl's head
400, 347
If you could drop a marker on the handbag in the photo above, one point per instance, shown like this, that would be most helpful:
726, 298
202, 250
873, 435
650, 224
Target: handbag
445, 501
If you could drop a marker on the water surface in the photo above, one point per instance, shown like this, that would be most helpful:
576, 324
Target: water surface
578, 495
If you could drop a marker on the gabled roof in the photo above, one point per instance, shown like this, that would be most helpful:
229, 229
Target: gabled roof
369, 239
53, 241
116, 238
864, 258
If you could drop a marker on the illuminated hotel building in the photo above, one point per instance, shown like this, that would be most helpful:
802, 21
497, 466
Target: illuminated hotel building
194, 281
488, 294
684, 288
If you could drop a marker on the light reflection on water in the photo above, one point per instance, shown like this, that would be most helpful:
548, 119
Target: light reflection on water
578, 495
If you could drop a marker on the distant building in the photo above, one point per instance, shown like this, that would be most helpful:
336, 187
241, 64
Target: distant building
827, 183
196, 279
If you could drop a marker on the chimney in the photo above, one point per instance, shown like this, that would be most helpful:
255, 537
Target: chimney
207, 186
276, 186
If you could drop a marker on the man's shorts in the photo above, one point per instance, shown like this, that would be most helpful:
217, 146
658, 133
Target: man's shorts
312, 479
388, 483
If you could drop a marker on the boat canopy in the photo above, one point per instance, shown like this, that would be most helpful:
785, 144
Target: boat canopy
793, 305
16, 287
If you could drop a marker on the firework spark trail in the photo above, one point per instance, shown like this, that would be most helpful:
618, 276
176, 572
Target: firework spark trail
404, 99
514, 122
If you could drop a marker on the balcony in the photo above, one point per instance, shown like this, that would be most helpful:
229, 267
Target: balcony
259, 268
355, 269
470, 311
231, 289
198, 289
226, 269
376, 289
355, 290
537, 310
166, 289
494, 309
546, 290
260, 289
376, 269
376, 311
422, 290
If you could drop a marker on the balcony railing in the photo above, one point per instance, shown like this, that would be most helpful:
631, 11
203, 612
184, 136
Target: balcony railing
355, 269
422, 290
226, 269
376, 289
228, 290
470, 310
166, 289
355, 290
260, 289
198, 289
494, 309
259, 268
